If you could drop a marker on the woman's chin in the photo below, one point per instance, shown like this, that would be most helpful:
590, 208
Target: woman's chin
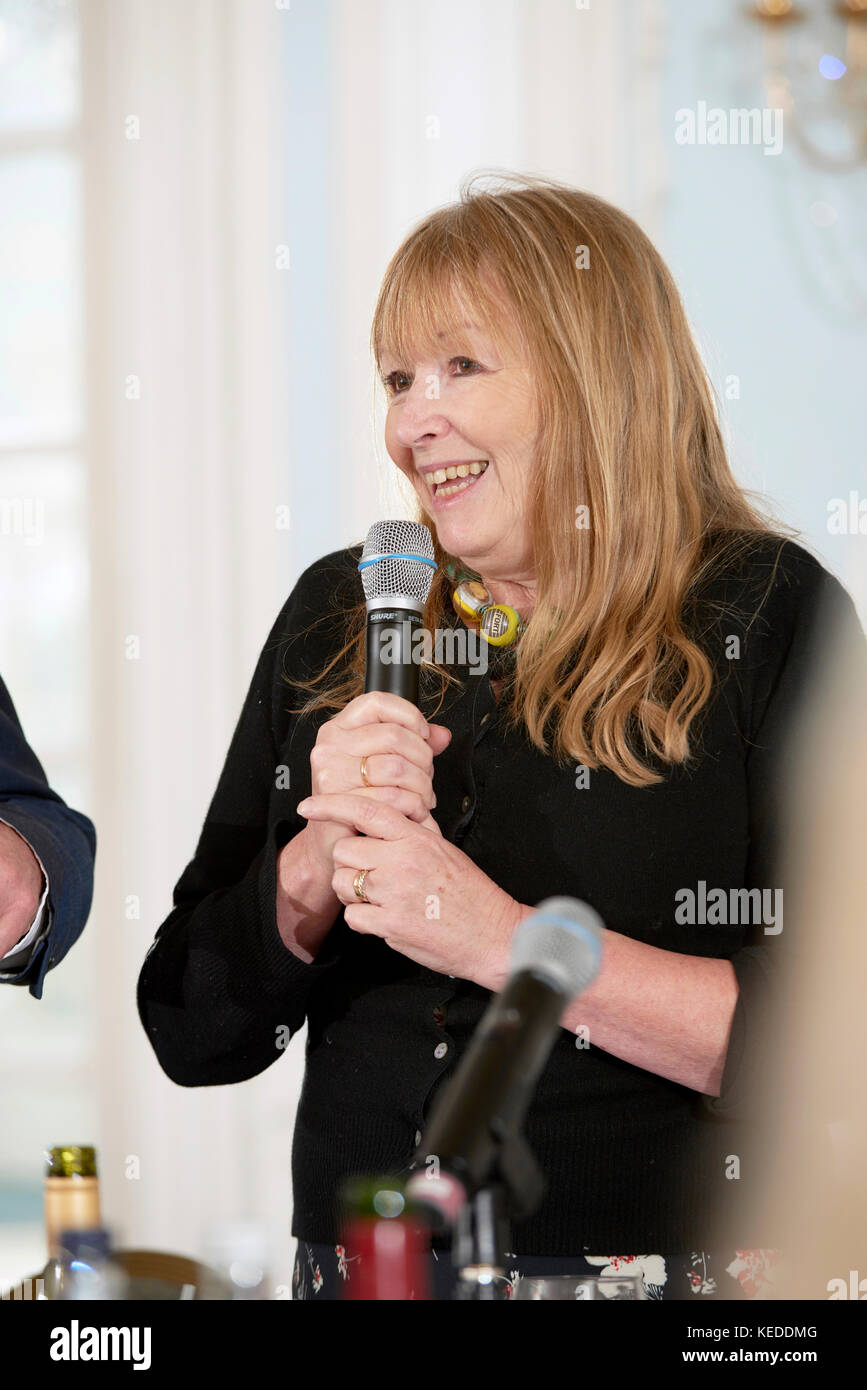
457, 531
450, 529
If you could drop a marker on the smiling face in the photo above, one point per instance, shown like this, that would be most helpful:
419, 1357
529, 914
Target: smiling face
468, 406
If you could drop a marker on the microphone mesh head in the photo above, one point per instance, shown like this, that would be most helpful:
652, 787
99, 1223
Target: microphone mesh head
384, 566
562, 940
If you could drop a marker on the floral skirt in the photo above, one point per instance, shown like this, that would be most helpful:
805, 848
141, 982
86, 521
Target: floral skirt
326, 1271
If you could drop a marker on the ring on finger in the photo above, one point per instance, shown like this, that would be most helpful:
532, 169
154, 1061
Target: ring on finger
358, 886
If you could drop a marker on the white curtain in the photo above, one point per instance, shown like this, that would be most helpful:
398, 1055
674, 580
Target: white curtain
224, 386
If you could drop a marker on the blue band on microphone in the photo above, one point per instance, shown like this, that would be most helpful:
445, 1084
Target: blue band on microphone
575, 928
397, 555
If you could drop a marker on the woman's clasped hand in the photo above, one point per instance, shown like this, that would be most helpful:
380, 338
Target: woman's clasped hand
426, 898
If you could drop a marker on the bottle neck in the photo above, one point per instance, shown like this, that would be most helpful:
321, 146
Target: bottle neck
71, 1204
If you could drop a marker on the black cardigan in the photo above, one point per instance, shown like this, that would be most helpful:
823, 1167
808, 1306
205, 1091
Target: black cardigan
634, 1162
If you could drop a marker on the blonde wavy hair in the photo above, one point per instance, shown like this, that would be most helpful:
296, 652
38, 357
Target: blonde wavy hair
628, 429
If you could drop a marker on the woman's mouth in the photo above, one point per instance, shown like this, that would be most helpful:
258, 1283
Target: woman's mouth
457, 478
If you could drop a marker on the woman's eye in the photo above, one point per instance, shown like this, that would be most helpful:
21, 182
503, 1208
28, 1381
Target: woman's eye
391, 382
468, 360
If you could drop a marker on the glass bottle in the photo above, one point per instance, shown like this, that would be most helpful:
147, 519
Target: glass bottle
88, 1270
71, 1204
383, 1227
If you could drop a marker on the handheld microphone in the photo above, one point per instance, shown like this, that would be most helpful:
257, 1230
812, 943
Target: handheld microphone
556, 953
397, 567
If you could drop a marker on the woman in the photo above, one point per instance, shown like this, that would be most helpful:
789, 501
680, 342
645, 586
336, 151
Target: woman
549, 408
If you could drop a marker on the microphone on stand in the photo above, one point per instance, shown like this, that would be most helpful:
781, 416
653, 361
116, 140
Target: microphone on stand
473, 1136
397, 567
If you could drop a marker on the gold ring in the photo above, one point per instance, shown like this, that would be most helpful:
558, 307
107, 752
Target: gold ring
358, 885
364, 776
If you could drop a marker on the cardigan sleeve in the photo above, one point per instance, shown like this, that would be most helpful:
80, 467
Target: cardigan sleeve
823, 626
219, 995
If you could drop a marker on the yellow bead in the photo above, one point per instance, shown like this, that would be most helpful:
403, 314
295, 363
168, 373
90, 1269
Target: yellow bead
469, 598
500, 624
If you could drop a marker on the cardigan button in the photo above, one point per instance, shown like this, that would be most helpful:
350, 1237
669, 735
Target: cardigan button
466, 803
440, 1050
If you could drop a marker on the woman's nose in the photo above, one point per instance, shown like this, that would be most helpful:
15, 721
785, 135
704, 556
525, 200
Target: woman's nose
421, 413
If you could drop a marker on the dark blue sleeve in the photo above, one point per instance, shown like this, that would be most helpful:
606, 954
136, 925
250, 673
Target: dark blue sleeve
64, 840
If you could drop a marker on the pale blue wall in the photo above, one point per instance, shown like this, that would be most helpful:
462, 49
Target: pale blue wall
737, 234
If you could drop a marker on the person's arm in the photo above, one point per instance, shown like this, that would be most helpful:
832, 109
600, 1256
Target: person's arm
306, 902
63, 845
694, 1020
26, 885
698, 1021
666, 1012
19, 956
220, 987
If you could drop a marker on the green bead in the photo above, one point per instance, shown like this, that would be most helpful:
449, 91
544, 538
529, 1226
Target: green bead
459, 576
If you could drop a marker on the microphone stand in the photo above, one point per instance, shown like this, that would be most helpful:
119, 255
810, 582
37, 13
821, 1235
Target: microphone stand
485, 1174
481, 1238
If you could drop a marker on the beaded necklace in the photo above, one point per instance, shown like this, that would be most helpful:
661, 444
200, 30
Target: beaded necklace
498, 623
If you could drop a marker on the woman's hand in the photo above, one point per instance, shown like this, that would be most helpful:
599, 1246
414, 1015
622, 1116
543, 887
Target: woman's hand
399, 745
428, 899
